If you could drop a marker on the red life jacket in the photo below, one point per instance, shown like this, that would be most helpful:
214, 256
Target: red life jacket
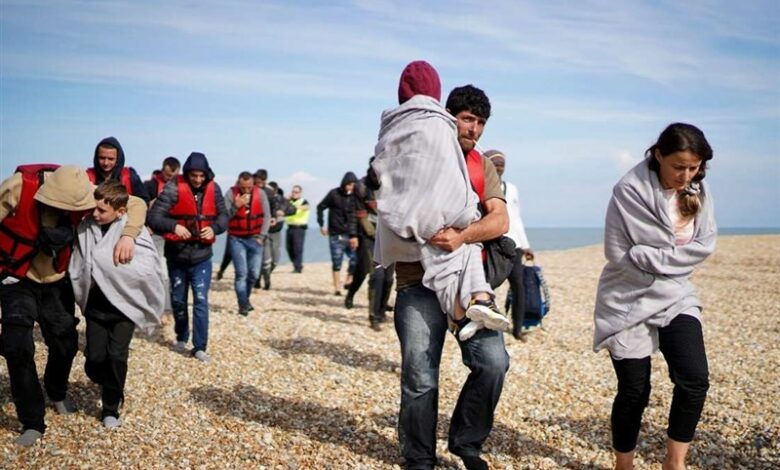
19, 230
477, 178
186, 212
157, 176
248, 220
124, 177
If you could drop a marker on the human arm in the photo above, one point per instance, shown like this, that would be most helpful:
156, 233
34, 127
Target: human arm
10, 192
267, 218
321, 207
136, 216
494, 224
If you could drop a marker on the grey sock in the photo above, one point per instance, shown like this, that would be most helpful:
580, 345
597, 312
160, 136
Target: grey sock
111, 422
65, 407
28, 438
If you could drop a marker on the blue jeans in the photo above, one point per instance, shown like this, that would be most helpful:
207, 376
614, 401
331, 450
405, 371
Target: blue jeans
198, 276
421, 327
247, 256
339, 246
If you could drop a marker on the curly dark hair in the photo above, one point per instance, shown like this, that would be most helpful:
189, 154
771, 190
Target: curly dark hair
468, 98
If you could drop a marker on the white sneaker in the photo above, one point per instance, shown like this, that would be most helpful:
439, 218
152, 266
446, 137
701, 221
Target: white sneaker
110, 422
470, 330
202, 356
180, 346
486, 312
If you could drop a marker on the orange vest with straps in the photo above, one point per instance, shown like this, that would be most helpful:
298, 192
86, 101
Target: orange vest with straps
124, 177
19, 230
248, 220
186, 212
158, 178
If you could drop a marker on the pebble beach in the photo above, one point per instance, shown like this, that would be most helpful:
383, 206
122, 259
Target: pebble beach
303, 383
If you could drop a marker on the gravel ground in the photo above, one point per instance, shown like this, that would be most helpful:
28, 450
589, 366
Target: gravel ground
304, 383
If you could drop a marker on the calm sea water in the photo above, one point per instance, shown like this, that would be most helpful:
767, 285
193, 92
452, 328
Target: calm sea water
316, 245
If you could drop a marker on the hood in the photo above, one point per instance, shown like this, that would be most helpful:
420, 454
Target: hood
419, 78
120, 157
349, 177
198, 161
68, 188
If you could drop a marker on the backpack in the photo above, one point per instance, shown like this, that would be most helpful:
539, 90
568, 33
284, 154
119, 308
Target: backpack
537, 296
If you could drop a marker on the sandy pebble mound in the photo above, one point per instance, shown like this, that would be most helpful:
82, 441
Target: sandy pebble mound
304, 383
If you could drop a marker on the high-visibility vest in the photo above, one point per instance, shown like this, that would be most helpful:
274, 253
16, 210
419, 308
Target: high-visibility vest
301, 216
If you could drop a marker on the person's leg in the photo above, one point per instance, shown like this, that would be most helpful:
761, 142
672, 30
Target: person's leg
682, 344
268, 249
120, 335
486, 357
351, 260
57, 319
238, 249
375, 294
18, 310
298, 242
201, 283
288, 244
96, 351
227, 257
388, 285
180, 284
254, 253
362, 267
276, 250
517, 291
336, 257
421, 327
633, 393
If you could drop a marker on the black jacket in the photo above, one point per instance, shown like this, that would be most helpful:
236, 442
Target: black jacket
341, 209
161, 222
137, 185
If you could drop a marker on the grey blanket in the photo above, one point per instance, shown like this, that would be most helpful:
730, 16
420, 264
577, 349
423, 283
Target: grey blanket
136, 288
425, 187
645, 283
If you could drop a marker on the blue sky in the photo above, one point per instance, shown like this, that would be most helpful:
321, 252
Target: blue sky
579, 89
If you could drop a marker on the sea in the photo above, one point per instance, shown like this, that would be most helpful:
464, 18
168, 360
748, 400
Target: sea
542, 239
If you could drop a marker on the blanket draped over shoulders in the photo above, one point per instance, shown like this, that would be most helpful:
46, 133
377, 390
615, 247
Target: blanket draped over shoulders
645, 283
136, 289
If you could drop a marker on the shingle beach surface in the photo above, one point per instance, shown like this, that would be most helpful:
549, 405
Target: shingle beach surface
303, 383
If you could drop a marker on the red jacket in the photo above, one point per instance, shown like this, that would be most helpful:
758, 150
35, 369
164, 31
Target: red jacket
186, 212
19, 231
124, 178
248, 220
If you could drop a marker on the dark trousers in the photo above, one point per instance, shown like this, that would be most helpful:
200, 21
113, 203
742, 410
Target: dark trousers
517, 293
363, 265
422, 327
379, 284
227, 257
53, 307
682, 345
108, 345
296, 234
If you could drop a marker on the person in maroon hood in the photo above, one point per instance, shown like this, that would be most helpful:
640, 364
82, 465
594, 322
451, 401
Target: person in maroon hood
109, 163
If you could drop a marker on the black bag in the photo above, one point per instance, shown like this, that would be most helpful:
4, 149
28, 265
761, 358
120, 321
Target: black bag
500, 260
537, 296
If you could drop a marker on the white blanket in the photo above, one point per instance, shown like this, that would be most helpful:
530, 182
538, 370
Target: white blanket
645, 283
136, 289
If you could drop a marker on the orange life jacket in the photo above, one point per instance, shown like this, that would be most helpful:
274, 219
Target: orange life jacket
19, 230
124, 177
248, 220
186, 212
158, 178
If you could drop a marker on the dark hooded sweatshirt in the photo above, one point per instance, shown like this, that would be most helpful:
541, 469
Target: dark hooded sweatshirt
137, 185
161, 222
341, 209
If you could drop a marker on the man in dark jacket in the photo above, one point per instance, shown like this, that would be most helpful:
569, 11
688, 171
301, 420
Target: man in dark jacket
154, 186
342, 227
109, 163
190, 213
273, 241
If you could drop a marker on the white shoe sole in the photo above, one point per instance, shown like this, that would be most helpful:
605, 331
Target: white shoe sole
490, 319
469, 330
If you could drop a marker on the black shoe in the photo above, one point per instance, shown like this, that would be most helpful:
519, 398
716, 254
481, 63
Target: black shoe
474, 463
298, 270
249, 308
257, 284
383, 319
219, 275
349, 301
244, 311
376, 326
389, 308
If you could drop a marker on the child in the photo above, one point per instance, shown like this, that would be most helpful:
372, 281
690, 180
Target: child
114, 299
425, 188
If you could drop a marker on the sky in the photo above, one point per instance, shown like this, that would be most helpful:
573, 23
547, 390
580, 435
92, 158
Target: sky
579, 89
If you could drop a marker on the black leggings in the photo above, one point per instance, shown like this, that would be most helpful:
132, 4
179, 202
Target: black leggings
682, 345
